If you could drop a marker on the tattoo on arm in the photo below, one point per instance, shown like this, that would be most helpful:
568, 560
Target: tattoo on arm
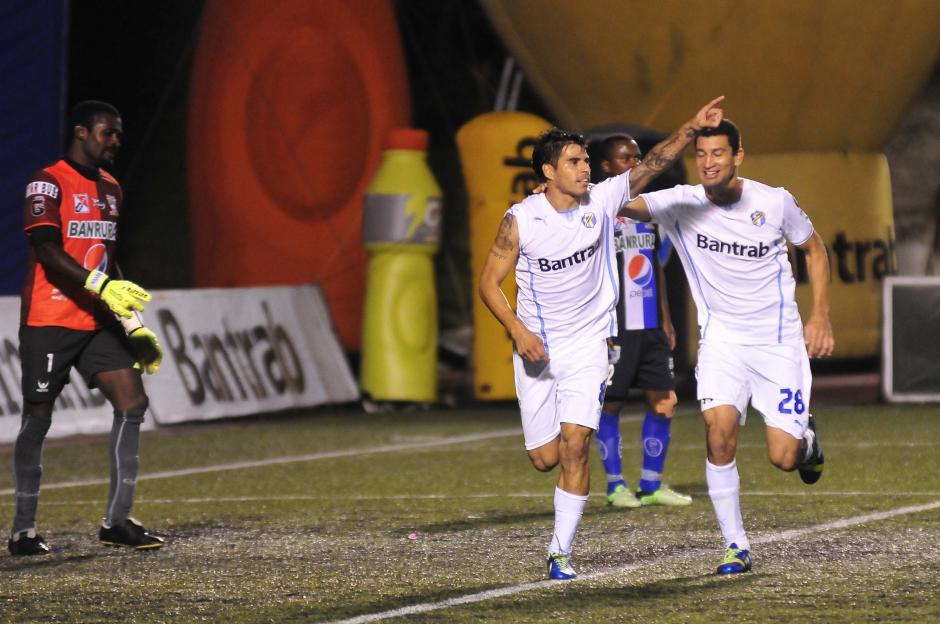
504, 235
661, 157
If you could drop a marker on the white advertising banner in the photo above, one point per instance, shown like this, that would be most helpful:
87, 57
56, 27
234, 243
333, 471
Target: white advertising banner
77, 410
226, 352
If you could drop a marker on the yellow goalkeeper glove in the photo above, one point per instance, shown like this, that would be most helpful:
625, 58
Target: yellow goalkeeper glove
146, 349
121, 296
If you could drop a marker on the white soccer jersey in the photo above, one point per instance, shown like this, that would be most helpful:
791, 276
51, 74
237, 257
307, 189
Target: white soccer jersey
566, 272
735, 259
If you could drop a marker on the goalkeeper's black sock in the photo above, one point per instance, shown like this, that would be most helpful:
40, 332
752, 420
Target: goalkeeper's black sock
27, 469
123, 451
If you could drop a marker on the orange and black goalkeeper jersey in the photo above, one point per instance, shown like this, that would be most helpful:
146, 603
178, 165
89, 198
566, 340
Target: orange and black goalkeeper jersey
84, 207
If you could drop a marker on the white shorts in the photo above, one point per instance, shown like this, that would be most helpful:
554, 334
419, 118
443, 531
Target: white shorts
776, 379
570, 388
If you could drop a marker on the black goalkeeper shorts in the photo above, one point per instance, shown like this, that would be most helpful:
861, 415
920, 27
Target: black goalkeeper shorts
645, 363
47, 355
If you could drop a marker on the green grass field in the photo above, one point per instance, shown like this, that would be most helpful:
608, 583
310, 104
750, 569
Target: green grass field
306, 518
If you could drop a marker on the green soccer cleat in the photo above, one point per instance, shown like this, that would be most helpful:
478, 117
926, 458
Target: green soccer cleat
665, 495
622, 497
736, 560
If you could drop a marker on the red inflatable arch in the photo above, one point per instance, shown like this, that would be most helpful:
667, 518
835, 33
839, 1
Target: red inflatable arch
289, 104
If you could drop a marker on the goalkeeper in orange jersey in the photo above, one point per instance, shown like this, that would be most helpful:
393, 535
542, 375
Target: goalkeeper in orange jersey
69, 304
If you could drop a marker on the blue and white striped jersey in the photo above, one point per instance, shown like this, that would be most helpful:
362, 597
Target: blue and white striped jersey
635, 244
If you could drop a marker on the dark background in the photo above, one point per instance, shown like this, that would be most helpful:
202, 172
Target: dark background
138, 56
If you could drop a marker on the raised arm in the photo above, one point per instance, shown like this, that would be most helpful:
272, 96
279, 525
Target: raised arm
664, 154
817, 332
501, 260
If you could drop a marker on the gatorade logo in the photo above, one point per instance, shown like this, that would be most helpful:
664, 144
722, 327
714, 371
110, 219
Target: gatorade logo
524, 180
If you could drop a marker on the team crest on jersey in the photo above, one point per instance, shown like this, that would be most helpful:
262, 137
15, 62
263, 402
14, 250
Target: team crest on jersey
589, 220
112, 203
758, 218
82, 203
38, 205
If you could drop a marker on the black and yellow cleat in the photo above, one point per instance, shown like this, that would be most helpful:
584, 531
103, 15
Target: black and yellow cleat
131, 534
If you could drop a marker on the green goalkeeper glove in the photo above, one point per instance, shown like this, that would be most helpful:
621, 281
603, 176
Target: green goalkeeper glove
146, 349
121, 296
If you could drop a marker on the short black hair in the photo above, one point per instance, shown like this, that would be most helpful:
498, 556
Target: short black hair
727, 128
84, 113
606, 147
548, 148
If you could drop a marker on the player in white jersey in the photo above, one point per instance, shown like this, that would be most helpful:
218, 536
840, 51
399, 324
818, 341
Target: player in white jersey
731, 236
560, 244
641, 354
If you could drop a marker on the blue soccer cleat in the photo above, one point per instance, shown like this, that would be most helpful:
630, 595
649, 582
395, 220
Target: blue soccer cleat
736, 560
559, 567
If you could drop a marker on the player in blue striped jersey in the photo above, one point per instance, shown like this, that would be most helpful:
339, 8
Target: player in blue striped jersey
641, 353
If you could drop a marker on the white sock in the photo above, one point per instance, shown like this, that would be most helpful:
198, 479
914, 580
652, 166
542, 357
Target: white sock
724, 488
809, 437
568, 510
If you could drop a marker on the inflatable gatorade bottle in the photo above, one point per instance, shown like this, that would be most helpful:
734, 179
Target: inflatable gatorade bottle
401, 232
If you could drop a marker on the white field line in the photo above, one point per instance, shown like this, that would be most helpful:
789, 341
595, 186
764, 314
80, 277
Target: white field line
545, 495
293, 459
686, 555
390, 448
